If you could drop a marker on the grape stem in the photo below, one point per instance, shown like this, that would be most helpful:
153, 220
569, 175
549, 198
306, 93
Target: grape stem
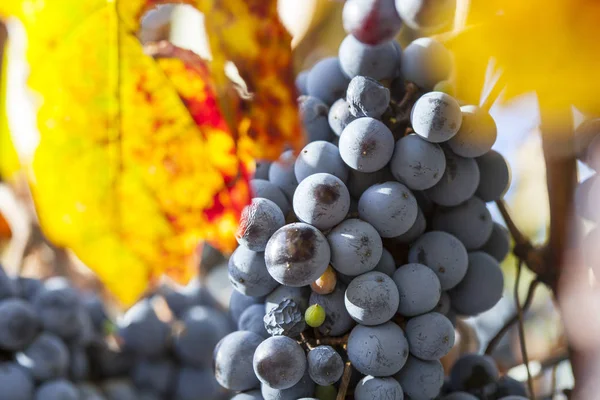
521, 325
341, 395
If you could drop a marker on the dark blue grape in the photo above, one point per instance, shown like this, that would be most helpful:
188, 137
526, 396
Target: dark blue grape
417, 163
371, 388
18, 324
252, 319
314, 113
300, 296
377, 62
325, 365
46, 358
233, 361
419, 289
326, 81
425, 62
248, 273
430, 336
459, 182
320, 157
366, 144
473, 371
372, 298
436, 117
371, 21
306, 387
279, 362
366, 97
281, 173
154, 375
339, 116
16, 382
321, 200
476, 135
239, 302
142, 331
498, 245
259, 220
301, 81
471, 222
426, 15
494, 176
356, 247
268, 190
421, 380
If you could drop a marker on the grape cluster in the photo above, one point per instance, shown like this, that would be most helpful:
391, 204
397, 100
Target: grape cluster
376, 233
58, 343
474, 377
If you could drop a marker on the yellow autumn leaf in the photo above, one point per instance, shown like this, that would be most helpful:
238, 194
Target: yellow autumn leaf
136, 163
550, 47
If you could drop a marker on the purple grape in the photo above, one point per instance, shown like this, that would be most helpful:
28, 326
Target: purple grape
425, 62
268, 190
356, 247
421, 380
417, 163
279, 362
476, 135
326, 81
430, 336
367, 97
248, 273
233, 360
471, 222
436, 117
314, 113
320, 157
371, 21
377, 62
259, 220
325, 365
366, 145
372, 298
419, 289
498, 245
371, 388
495, 176
322, 200
339, 116
281, 173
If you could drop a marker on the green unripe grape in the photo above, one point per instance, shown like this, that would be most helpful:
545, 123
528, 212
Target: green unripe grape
314, 316
325, 392
444, 86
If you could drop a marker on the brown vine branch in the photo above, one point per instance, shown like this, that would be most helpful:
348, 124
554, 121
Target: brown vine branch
341, 395
513, 320
522, 328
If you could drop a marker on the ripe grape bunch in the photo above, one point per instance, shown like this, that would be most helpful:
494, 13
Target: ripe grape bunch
357, 254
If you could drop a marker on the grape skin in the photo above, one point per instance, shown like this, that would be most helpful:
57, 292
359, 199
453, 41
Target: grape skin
379, 350
248, 273
339, 116
325, 365
142, 332
16, 383
314, 113
377, 62
459, 182
420, 379
366, 144
371, 21
371, 388
337, 319
471, 222
154, 375
436, 117
390, 207
259, 220
386, 263
473, 371
301, 82
251, 395
419, 289
265, 189
18, 324
481, 287
279, 362
281, 173
494, 176
366, 97
430, 336
498, 245
417, 163
320, 157
261, 170
306, 387
322, 200
425, 62
415, 231
477, 133
359, 181
299, 295
372, 298
444, 254
233, 361
191, 381
356, 247
59, 389
46, 358
252, 320
239, 302
57, 305
326, 81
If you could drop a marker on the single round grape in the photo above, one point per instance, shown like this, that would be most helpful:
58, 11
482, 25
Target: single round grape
297, 254
426, 15
498, 245
154, 375
326, 81
494, 176
390, 207
430, 336
366, 144
15, 382
314, 114
279, 362
507, 386
326, 282
367, 97
425, 203
473, 371
57, 305
46, 358
248, 273
315, 316
200, 322
59, 389
358, 181
420, 379
417, 163
377, 62
476, 135
192, 381
325, 365
471, 222
481, 288
444, 254
261, 170
419, 289
321, 200
371, 388
239, 302
459, 182
306, 387
299, 295
378, 350
320, 157
19, 324
356, 247
415, 231
339, 116
386, 263
459, 396
27, 288
251, 395
301, 82
371, 21
372, 298
252, 320
267, 190
337, 319
281, 173
259, 220
436, 117
233, 360
142, 332
425, 62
